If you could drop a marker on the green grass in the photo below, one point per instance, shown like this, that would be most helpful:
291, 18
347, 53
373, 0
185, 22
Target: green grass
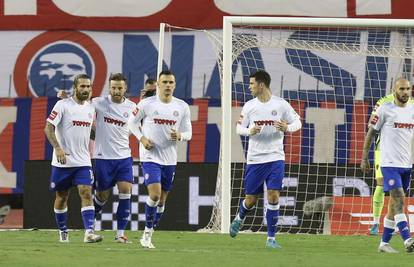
41, 248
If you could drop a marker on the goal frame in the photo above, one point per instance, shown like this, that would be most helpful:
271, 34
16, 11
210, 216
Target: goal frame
226, 96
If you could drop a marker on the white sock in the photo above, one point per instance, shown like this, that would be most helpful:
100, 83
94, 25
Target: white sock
88, 231
119, 233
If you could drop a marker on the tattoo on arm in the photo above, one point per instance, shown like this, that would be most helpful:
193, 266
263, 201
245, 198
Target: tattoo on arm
51, 136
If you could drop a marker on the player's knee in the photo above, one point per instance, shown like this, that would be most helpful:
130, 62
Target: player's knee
125, 188
155, 197
398, 205
61, 197
102, 195
250, 201
85, 193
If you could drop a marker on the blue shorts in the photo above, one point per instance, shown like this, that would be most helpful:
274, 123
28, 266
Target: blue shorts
257, 174
156, 173
62, 179
396, 178
110, 171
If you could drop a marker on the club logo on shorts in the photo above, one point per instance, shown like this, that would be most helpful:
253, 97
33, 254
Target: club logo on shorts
175, 113
391, 182
52, 185
146, 176
274, 112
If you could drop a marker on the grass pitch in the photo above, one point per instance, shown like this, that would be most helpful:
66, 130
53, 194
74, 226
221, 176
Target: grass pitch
41, 248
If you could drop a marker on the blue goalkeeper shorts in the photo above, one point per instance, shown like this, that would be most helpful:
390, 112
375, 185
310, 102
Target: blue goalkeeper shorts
396, 178
270, 173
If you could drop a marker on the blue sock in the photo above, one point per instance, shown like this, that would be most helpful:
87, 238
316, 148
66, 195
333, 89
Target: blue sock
272, 216
98, 204
61, 217
123, 211
401, 221
160, 212
389, 228
243, 210
150, 210
88, 217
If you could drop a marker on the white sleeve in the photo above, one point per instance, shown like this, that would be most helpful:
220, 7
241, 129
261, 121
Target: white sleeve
292, 118
294, 126
134, 122
378, 119
242, 127
185, 126
56, 114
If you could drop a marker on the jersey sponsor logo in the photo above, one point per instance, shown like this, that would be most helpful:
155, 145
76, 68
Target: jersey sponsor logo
374, 120
81, 123
264, 122
135, 111
114, 121
403, 125
51, 61
53, 115
165, 121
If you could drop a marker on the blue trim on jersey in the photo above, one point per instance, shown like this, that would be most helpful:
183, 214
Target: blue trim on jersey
156, 173
257, 174
110, 171
62, 179
396, 178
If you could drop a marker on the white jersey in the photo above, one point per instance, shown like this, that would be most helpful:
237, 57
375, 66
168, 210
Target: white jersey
73, 123
112, 131
266, 146
158, 118
396, 125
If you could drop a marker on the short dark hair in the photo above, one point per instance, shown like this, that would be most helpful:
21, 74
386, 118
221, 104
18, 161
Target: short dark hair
117, 76
78, 77
150, 81
165, 72
261, 76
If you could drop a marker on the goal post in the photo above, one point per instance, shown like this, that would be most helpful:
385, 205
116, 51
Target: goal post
331, 71
399, 59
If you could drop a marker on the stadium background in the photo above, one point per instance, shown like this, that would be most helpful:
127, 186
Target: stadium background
109, 38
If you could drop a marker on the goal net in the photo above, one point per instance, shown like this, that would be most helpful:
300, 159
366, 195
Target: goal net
332, 71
